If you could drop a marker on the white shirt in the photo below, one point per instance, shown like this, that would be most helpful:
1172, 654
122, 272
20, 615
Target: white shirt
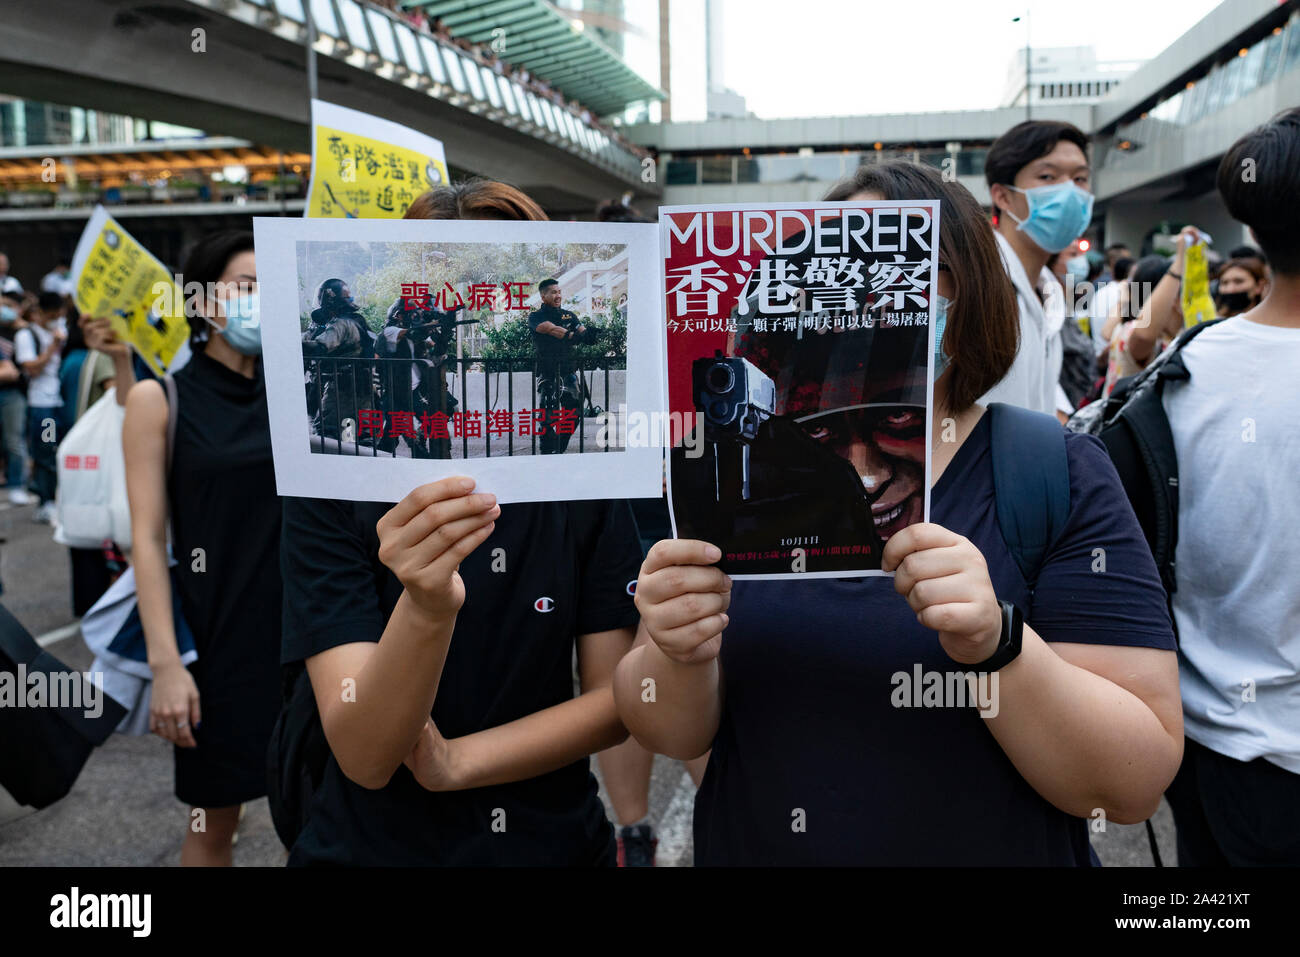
53, 282
1102, 303
1238, 557
42, 388
1032, 382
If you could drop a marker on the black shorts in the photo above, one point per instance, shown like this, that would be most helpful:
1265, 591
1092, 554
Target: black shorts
1232, 813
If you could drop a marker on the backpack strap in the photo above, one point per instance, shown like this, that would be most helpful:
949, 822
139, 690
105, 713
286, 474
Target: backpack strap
1031, 483
169, 384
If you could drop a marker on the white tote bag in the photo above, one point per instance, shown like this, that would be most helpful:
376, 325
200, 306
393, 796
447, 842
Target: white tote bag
92, 504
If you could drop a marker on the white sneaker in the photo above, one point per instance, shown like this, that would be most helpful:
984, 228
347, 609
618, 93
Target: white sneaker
44, 514
19, 496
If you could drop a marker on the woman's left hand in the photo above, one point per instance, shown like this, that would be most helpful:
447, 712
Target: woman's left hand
432, 760
944, 578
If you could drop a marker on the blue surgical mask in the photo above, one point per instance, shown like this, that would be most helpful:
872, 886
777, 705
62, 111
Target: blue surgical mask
1058, 214
940, 320
8, 314
1077, 269
243, 324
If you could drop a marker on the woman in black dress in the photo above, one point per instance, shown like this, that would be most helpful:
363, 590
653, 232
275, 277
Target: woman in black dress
219, 496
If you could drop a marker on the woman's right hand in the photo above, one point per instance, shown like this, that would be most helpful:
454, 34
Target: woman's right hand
424, 538
683, 599
174, 704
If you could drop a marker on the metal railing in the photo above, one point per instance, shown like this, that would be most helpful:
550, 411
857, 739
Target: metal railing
390, 407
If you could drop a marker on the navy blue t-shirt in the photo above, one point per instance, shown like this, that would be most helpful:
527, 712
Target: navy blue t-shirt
808, 724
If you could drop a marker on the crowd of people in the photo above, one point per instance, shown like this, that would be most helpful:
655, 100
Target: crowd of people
486, 55
452, 730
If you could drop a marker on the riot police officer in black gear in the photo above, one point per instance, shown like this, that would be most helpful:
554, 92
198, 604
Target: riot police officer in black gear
555, 332
337, 332
420, 342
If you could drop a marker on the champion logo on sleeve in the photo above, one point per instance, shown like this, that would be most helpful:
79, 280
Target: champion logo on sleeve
544, 605
631, 587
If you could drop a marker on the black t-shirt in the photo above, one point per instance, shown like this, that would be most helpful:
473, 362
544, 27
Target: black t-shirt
561, 570
549, 347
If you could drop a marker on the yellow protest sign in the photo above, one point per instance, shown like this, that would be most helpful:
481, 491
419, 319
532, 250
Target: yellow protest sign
117, 279
364, 167
1196, 302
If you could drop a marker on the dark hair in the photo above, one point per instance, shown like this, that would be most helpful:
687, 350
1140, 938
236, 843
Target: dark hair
1250, 264
1116, 247
475, 199
1266, 200
50, 302
1119, 272
1148, 271
546, 284
205, 265
613, 211
1247, 252
76, 338
1095, 266
983, 329
1025, 142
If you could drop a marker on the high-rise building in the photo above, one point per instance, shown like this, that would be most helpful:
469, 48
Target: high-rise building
1062, 75
721, 102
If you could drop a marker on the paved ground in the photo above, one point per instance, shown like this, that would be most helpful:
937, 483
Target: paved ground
122, 811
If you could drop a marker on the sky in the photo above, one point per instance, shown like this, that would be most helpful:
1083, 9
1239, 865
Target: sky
793, 58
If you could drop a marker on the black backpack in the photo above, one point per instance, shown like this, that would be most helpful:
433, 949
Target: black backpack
1131, 422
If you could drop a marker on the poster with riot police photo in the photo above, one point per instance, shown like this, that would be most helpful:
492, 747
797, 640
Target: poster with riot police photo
799, 355
401, 352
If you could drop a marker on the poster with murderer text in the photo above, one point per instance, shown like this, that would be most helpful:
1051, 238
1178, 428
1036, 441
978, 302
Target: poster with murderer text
799, 362
521, 354
365, 167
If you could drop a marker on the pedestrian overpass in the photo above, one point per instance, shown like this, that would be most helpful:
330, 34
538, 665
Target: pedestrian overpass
238, 68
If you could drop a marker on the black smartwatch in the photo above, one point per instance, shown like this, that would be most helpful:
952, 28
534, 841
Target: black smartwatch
1013, 631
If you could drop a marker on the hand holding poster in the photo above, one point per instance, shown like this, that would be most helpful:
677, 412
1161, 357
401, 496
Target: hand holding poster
800, 344
524, 355
363, 167
117, 279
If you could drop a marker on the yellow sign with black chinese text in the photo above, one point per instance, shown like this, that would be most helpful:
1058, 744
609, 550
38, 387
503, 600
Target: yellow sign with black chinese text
1196, 302
364, 167
118, 279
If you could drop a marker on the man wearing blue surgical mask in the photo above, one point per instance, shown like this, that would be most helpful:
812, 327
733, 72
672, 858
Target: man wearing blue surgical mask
1040, 184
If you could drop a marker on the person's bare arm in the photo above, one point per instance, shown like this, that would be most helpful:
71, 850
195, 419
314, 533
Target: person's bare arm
100, 336
174, 697
1161, 313
33, 367
668, 688
538, 743
8, 372
374, 698
1087, 726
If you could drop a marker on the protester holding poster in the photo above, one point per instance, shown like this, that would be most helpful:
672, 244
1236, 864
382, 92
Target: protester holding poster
438, 635
799, 343
401, 352
214, 485
118, 280
1049, 696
